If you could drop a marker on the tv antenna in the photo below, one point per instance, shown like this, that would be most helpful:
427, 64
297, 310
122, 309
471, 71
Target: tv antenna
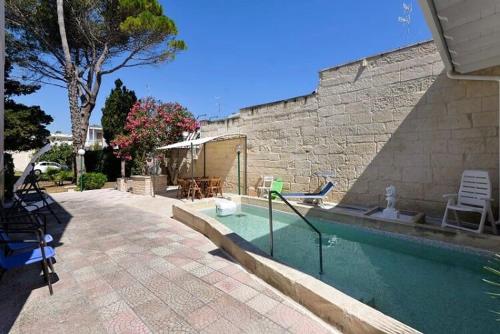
218, 104
405, 20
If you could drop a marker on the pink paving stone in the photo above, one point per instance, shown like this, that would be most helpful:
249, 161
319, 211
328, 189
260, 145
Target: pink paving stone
222, 326
228, 284
307, 325
177, 260
126, 323
174, 274
245, 278
243, 293
191, 265
285, 316
214, 277
202, 317
218, 264
230, 270
125, 278
262, 303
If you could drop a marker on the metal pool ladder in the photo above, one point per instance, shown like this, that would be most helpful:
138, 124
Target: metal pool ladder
271, 237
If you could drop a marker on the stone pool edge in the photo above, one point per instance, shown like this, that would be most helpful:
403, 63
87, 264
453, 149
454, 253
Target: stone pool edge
333, 306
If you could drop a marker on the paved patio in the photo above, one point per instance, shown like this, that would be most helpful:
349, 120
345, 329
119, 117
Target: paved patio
124, 266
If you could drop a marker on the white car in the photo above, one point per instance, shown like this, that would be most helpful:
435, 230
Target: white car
44, 166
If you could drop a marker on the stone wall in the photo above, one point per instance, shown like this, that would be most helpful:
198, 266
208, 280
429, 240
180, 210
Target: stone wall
399, 121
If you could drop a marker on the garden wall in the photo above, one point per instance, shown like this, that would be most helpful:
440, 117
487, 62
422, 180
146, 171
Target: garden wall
398, 121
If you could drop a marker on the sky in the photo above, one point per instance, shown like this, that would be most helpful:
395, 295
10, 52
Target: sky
247, 52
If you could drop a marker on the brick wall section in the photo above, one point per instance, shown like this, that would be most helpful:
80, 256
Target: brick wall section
398, 121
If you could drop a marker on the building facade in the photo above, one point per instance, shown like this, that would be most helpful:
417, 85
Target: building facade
94, 140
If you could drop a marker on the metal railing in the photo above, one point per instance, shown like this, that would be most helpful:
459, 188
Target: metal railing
271, 236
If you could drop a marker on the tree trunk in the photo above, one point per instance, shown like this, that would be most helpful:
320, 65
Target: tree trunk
122, 168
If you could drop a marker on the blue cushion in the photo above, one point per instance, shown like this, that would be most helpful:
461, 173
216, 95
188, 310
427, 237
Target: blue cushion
22, 245
21, 259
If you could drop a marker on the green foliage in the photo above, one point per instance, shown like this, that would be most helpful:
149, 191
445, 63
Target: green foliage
60, 176
93, 161
111, 165
10, 178
93, 181
25, 126
116, 108
51, 172
62, 154
494, 280
135, 31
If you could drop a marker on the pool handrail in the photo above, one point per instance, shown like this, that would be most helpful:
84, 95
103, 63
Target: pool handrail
271, 238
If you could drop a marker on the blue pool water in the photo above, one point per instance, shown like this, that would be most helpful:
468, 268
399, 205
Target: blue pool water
432, 288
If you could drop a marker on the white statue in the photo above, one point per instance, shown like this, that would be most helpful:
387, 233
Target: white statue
390, 196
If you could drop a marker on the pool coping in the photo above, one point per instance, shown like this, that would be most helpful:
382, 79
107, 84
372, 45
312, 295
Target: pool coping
335, 307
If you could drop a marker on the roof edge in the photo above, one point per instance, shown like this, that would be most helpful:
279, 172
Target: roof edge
380, 54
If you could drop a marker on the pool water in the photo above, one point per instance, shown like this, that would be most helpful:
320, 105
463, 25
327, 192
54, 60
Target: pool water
432, 288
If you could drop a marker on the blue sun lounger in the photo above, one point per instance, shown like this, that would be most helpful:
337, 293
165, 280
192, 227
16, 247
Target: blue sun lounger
324, 191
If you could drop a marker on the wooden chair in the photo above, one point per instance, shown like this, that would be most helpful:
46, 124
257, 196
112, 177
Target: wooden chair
183, 188
218, 186
194, 189
212, 187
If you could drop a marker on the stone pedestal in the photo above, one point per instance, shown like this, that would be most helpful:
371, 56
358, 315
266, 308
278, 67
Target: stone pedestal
143, 185
123, 184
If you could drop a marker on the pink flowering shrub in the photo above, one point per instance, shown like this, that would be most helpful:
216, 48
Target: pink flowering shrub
151, 124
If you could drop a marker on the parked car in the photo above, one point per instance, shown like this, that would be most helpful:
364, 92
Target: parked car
43, 166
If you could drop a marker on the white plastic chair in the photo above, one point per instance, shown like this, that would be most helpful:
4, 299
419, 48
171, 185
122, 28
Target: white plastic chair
267, 182
474, 196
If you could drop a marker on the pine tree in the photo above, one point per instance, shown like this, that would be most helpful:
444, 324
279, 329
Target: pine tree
116, 108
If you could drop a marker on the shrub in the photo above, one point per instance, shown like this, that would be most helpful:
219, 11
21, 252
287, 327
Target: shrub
93, 181
61, 176
93, 160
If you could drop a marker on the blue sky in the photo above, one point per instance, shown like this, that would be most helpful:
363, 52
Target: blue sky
246, 52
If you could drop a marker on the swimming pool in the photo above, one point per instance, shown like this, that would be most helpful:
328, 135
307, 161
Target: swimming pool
432, 288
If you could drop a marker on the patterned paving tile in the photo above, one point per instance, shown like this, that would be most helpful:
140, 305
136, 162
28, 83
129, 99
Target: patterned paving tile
262, 303
126, 323
160, 265
244, 293
234, 311
228, 284
202, 317
179, 300
214, 277
222, 326
308, 325
285, 316
201, 271
143, 274
202, 290
162, 251
136, 294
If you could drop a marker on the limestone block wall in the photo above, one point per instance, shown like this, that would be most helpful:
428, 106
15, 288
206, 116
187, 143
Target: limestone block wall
398, 121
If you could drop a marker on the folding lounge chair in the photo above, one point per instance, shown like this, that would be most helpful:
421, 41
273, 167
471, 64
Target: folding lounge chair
24, 221
474, 196
28, 196
324, 191
38, 253
31, 198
